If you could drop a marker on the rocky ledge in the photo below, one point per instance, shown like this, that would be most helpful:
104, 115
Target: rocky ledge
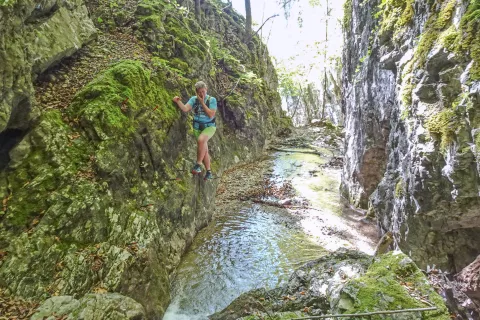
344, 282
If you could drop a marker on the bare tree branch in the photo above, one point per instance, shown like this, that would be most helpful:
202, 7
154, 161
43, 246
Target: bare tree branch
256, 32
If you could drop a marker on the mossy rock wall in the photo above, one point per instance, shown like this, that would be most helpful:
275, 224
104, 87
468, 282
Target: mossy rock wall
97, 197
412, 101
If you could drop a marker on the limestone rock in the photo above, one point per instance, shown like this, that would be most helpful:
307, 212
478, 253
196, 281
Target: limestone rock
315, 286
343, 282
392, 282
469, 277
412, 125
91, 307
34, 37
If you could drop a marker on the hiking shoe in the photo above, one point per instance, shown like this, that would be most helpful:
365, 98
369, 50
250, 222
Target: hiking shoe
196, 169
208, 175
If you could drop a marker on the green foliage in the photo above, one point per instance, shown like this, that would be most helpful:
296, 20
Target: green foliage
7, 3
251, 79
223, 56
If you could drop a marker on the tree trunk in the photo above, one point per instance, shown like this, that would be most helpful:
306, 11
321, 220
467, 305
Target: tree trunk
298, 101
248, 25
198, 12
324, 102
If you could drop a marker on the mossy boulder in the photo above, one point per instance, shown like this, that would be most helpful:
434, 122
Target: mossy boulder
344, 282
392, 282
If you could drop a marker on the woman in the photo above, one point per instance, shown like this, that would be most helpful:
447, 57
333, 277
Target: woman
204, 108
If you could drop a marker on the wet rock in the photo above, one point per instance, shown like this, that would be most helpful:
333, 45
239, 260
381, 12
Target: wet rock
313, 286
343, 282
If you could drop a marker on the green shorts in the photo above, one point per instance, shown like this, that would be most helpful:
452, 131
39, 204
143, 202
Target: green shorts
209, 131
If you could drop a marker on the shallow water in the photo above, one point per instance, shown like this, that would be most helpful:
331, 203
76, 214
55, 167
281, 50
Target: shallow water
259, 246
236, 253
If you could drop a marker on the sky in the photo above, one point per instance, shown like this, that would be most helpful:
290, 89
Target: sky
288, 39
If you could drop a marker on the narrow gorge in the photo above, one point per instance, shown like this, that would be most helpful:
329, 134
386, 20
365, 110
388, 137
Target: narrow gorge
373, 208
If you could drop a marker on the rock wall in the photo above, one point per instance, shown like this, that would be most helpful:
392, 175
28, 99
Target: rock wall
411, 102
33, 36
97, 196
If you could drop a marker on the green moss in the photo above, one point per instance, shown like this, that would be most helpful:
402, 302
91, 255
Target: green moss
107, 106
448, 38
443, 125
179, 64
394, 15
400, 188
275, 316
406, 91
465, 41
347, 14
53, 160
477, 143
434, 28
434, 25
407, 14
391, 283
468, 40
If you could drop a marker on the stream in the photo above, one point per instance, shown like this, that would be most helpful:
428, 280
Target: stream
259, 246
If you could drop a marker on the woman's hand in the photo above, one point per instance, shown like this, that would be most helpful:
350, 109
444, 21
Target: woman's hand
176, 99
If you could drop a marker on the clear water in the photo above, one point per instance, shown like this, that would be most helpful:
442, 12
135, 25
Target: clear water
248, 249
258, 246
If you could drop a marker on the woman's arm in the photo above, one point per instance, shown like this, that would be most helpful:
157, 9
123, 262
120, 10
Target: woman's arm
184, 107
210, 113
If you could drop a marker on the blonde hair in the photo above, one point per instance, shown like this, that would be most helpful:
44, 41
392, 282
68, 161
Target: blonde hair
200, 85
